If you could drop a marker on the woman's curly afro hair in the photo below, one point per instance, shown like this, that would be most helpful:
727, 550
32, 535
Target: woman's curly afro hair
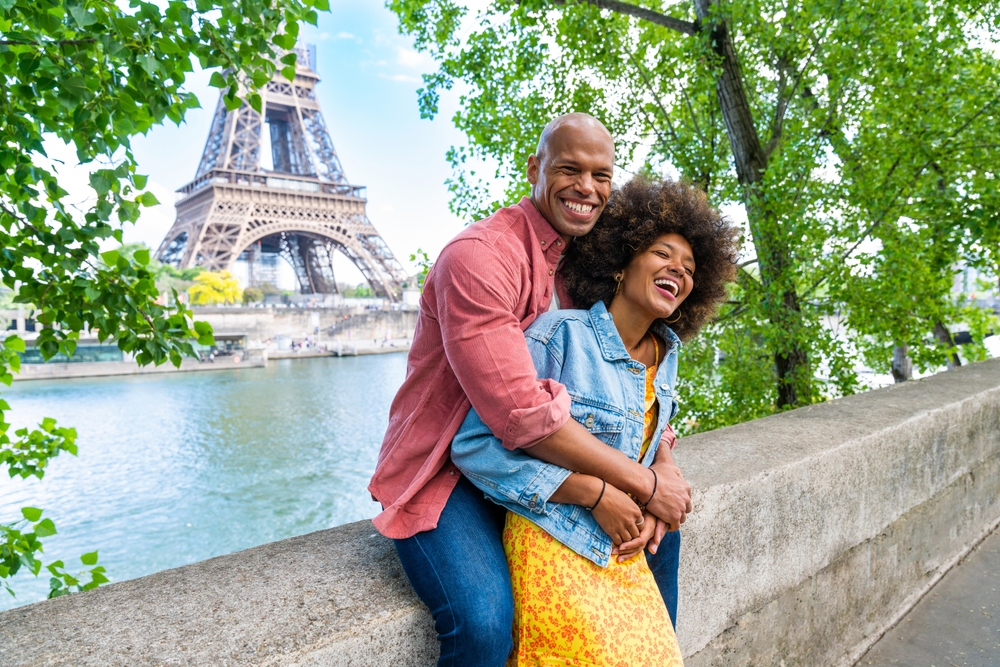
636, 215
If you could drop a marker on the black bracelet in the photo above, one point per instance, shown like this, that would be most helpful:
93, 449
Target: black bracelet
605, 486
653, 494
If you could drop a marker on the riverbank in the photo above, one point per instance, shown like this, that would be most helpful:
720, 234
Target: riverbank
249, 359
87, 369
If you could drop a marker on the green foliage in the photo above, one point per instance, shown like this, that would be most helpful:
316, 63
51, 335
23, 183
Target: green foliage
865, 157
94, 74
19, 547
359, 292
268, 289
253, 295
424, 261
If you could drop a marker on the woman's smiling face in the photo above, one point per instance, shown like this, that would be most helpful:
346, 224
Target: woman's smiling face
659, 278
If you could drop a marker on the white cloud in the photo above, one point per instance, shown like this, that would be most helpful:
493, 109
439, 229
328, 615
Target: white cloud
402, 78
412, 58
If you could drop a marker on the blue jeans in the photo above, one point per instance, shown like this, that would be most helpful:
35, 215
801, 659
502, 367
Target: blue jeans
460, 572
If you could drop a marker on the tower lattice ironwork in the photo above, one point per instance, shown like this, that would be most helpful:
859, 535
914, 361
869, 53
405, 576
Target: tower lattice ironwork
303, 209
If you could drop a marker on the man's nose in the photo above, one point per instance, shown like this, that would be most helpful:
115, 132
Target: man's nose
584, 184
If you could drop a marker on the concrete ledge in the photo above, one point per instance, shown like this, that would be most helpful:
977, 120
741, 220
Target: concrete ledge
85, 369
813, 531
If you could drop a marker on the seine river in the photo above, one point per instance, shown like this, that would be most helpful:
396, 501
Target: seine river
176, 468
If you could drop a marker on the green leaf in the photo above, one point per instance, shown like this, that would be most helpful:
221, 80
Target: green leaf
217, 80
141, 256
89, 558
149, 199
82, 17
204, 332
110, 257
14, 343
31, 513
45, 528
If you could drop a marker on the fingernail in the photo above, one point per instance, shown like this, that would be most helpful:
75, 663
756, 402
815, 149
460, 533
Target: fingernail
652, 549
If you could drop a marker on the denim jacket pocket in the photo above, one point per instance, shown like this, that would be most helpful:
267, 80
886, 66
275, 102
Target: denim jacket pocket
605, 423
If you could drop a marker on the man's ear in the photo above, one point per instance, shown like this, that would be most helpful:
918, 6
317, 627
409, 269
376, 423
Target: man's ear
534, 164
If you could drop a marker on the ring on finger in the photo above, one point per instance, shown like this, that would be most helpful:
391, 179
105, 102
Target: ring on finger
641, 521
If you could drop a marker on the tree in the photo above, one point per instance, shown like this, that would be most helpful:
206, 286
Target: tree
211, 287
252, 295
828, 121
94, 74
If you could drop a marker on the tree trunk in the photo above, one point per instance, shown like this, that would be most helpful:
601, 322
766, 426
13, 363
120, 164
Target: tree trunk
902, 365
944, 337
782, 304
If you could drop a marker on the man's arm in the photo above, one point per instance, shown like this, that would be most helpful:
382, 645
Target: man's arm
475, 292
574, 448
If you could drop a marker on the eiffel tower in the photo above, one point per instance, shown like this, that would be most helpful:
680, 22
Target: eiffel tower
304, 209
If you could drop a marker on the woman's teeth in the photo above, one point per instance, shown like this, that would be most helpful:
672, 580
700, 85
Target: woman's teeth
668, 285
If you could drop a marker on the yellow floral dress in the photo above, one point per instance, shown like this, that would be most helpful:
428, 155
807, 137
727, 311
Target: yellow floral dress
571, 611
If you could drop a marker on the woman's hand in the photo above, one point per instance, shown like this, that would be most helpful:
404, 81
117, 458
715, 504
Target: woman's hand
618, 516
633, 547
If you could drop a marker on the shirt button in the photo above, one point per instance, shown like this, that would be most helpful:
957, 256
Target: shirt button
551, 272
452, 473
543, 242
664, 387
558, 242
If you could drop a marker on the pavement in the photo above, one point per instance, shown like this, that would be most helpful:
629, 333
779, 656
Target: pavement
957, 624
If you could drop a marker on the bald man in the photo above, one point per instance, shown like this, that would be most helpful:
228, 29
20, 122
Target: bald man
489, 283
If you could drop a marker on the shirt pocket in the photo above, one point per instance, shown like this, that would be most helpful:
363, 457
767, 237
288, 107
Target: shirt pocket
604, 422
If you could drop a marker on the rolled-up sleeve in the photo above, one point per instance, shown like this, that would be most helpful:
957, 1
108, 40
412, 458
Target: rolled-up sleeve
485, 346
507, 477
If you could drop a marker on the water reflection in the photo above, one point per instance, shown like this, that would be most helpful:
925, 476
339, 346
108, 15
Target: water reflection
174, 469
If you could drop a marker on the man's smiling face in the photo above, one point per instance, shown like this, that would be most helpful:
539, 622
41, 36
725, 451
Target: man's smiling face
571, 173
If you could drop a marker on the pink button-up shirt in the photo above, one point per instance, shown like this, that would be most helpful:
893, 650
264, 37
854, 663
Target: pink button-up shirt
489, 283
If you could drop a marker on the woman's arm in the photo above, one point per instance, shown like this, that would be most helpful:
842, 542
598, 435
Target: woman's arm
614, 511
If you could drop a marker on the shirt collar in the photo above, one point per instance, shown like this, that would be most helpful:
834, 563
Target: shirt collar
612, 347
545, 234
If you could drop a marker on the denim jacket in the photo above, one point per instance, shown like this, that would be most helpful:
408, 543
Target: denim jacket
582, 350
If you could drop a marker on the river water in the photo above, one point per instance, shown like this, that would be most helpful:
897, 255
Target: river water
176, 468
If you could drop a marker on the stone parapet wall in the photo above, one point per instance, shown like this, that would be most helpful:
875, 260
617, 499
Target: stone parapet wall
813, 531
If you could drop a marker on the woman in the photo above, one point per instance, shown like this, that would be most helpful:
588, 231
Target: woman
650, 273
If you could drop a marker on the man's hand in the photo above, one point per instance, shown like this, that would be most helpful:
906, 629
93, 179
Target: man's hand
672, 500
618, 516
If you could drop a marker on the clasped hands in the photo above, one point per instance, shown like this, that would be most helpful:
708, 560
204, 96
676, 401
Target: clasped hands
632, 528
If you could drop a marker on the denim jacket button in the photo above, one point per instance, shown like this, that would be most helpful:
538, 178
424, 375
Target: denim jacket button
664, 387
532, 504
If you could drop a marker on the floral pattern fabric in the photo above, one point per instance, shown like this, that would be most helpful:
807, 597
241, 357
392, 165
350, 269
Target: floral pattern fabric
571, 611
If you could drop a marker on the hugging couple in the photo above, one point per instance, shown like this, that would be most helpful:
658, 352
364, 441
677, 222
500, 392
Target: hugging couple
526, 475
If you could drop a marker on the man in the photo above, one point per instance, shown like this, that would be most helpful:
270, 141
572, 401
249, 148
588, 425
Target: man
489, 283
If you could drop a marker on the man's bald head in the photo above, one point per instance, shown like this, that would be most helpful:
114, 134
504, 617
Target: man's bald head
574, 123
570, 173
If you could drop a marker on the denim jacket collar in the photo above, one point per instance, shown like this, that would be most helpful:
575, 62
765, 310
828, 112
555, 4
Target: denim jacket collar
612, 346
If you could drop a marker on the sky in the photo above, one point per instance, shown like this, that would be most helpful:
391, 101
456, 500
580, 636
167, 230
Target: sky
370, 75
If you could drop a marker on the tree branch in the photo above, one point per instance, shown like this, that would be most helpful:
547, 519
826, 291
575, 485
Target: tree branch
656, 98
686, 27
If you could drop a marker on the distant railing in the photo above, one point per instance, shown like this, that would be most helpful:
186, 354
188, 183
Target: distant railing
271, 179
